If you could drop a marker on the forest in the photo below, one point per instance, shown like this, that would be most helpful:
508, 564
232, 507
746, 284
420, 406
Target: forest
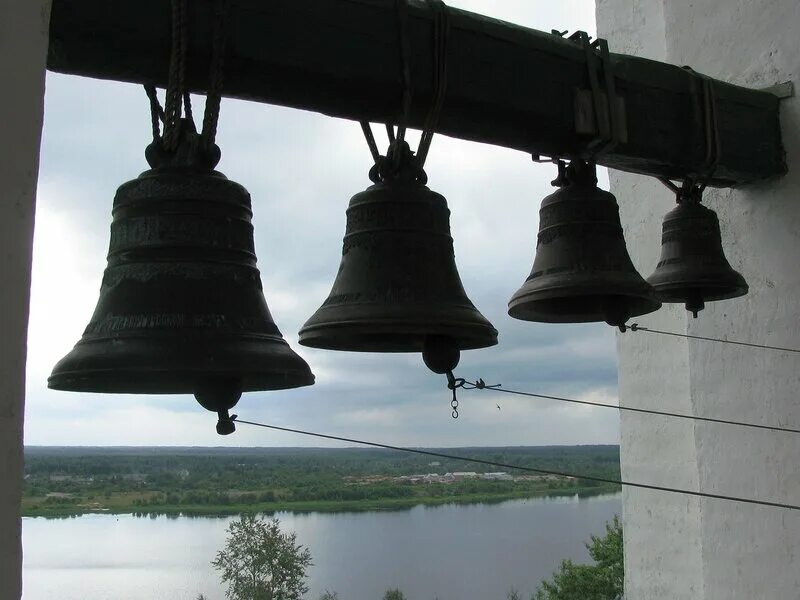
74, 480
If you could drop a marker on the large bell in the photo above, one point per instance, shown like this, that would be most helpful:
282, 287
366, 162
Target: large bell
582, 271
397, 289
693, 268
181, 308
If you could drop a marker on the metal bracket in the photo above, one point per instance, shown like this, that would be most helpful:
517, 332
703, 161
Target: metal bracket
594, 114
780, 90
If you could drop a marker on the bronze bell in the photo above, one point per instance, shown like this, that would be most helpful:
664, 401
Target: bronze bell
582, 271
398, 289
181, 308
693, 268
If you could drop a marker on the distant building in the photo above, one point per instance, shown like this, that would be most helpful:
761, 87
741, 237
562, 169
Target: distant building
497, 476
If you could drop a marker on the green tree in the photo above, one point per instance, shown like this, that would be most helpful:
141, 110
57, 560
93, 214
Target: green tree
603, 580
259, 562
329, 596
394, 594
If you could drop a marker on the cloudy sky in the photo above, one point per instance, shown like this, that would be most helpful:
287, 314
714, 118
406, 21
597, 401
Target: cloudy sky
301, 169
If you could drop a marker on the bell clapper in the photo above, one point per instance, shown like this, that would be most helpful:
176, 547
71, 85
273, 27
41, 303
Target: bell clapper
694, 303
441, 355
220, 396
226, 425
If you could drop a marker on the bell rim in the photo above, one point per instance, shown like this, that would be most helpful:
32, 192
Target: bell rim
528, 305
542, 316
356, 336
645, 292
678, 293
156, 362
729, 284
100, 381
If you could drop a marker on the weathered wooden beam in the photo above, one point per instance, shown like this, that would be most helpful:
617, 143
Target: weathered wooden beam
507, 85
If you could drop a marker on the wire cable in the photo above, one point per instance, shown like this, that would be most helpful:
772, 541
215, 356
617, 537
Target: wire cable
479, 385
637, 327
521, 468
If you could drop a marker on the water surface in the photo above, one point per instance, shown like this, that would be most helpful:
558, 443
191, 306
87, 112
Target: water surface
450, 552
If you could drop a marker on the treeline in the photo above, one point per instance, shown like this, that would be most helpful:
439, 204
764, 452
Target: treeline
282, 465
166, 477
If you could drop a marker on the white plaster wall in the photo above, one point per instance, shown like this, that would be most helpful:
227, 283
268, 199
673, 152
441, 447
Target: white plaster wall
23, 46
662, 532
677, 547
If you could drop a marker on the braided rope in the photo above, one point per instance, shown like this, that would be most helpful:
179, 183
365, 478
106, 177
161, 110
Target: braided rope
177, 74
216, 75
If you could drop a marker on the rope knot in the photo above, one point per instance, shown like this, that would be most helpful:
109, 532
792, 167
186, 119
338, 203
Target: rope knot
454, 383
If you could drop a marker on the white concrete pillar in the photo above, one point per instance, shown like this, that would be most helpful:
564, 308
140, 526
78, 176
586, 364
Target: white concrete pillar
679, 547
23, 48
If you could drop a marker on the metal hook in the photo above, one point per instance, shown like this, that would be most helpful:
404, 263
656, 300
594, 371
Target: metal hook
454, 383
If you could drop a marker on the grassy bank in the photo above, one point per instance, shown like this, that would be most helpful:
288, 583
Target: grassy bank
123, 504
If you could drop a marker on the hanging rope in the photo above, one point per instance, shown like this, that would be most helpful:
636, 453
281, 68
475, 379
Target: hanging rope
187, 106
177, 73
637, 327
710, 128
479, 461
696, 183
395, 139
441, 31
401, 7
156, 112
440, 28
176, 92
216, 79
373, 146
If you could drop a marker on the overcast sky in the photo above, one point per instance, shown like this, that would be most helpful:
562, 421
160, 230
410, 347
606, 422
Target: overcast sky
301, 169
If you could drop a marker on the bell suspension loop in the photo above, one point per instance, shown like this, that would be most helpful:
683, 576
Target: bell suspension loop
180, 144
399, 158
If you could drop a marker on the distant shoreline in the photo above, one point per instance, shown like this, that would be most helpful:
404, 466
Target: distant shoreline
75, 481
382, 504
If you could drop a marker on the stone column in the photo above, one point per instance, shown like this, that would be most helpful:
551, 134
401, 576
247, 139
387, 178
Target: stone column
23, 48
676, 546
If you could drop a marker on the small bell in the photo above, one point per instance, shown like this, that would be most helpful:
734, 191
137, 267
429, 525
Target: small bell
582, 271
397, 288
693, 269
181, 308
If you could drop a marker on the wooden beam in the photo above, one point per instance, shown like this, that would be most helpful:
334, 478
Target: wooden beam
507, 85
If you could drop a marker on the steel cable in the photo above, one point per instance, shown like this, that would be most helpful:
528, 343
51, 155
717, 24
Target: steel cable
620, 482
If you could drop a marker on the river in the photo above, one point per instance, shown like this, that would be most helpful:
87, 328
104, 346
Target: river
450, 552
